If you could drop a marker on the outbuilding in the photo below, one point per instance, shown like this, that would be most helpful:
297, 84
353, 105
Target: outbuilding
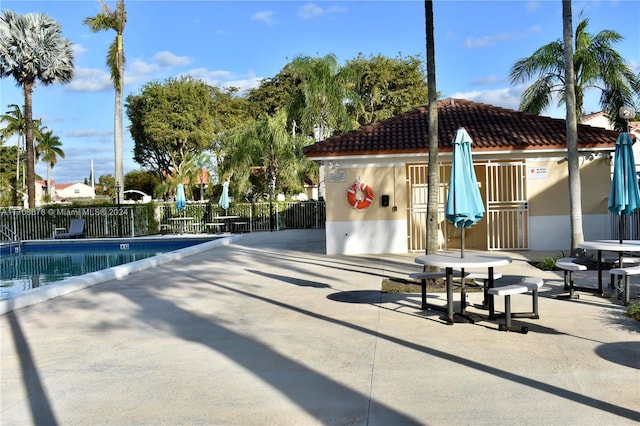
520, 161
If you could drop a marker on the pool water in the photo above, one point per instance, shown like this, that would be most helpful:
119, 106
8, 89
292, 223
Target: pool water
37, 265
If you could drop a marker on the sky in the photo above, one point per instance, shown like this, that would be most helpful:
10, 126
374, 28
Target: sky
238, 43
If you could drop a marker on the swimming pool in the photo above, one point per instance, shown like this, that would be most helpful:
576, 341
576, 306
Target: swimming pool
48, 268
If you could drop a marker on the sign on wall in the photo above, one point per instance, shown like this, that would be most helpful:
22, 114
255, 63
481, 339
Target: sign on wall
336, 176
537, 172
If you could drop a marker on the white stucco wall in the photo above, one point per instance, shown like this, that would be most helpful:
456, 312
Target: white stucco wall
554, 232
366, 236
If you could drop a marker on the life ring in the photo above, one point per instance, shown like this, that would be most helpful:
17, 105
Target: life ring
360, 195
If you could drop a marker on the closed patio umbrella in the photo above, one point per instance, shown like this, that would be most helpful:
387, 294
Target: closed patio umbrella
181, 200
624, 197
464, 202
224, 197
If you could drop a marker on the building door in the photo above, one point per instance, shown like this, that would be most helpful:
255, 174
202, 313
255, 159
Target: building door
503, 189
507, 206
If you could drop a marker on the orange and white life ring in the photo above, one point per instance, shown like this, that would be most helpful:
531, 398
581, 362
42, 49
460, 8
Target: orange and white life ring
360, 195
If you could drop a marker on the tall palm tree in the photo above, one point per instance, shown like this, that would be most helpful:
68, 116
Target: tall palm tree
15, 126
434, 175
320, 106
48, 149
266, 144
20, 37
573, 162
325, 88
115, 20
596, 65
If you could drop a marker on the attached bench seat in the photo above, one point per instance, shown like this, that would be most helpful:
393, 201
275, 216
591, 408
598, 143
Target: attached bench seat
423, 277
569, 266
626, 274
216, 226
240, 226
482, 279
520, 286
626, 261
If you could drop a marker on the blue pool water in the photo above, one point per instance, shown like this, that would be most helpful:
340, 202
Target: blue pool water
38, 264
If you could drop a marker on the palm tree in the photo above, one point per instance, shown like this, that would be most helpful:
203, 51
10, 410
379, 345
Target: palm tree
265, 144
20, 37
325, 88
434, 176
573, 162
320, 106
596, 65
15, 126
48, 150
114, 20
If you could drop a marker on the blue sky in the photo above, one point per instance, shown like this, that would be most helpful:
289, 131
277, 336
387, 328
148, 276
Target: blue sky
237, 43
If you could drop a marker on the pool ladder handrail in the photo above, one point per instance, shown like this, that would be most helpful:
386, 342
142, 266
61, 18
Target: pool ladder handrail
10, 236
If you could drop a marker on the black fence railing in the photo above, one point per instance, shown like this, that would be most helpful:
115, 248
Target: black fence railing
630, 226
149, 219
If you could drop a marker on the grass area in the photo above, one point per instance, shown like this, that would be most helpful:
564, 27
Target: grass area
400, 285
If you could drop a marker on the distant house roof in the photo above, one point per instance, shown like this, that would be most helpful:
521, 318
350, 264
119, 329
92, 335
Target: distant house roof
491, 128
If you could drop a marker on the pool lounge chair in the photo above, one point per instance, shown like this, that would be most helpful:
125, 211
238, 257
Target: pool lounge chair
76, 230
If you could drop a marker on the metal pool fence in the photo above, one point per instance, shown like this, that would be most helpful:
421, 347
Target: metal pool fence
148, 219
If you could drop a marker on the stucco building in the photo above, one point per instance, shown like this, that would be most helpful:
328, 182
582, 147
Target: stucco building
520, 163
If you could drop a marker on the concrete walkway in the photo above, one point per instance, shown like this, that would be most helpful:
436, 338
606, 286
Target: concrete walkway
270, 331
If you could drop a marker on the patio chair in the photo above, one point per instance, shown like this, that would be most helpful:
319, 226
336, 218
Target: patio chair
76, 230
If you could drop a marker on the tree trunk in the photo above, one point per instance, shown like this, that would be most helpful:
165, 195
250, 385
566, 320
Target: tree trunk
28, 124
117, 123
573, 163
434, 175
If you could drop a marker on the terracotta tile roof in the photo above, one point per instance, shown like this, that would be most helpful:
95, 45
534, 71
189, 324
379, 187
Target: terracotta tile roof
491, 128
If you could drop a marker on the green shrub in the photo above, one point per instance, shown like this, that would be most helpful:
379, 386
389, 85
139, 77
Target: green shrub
634, 311
547, 264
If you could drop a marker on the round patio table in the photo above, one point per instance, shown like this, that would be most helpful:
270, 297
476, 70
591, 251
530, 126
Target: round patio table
608, 245
451, 261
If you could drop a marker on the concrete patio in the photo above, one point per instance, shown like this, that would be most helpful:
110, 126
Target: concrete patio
270, 331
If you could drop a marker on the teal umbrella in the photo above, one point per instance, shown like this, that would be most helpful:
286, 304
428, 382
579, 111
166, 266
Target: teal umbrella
224, 197
624, 197
181, 200
464, 202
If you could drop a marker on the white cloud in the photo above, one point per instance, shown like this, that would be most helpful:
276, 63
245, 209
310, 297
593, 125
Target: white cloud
78, 50
89, 80
221, 78
265, 16
311, 10
140, 67
488, 40
168, 59
506, 97
87, 133
209, 76
488, 79
532, 6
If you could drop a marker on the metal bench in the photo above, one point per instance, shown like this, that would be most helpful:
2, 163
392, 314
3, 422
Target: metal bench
569, 266
482, 279
626, 261
423, 277
520, 286
240, 226
216, 226
626, 274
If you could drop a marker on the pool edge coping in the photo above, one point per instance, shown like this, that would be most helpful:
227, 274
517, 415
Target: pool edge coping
71, 284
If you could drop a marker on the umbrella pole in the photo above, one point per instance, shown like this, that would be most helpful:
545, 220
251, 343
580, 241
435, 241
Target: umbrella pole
462, 243
621, 230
